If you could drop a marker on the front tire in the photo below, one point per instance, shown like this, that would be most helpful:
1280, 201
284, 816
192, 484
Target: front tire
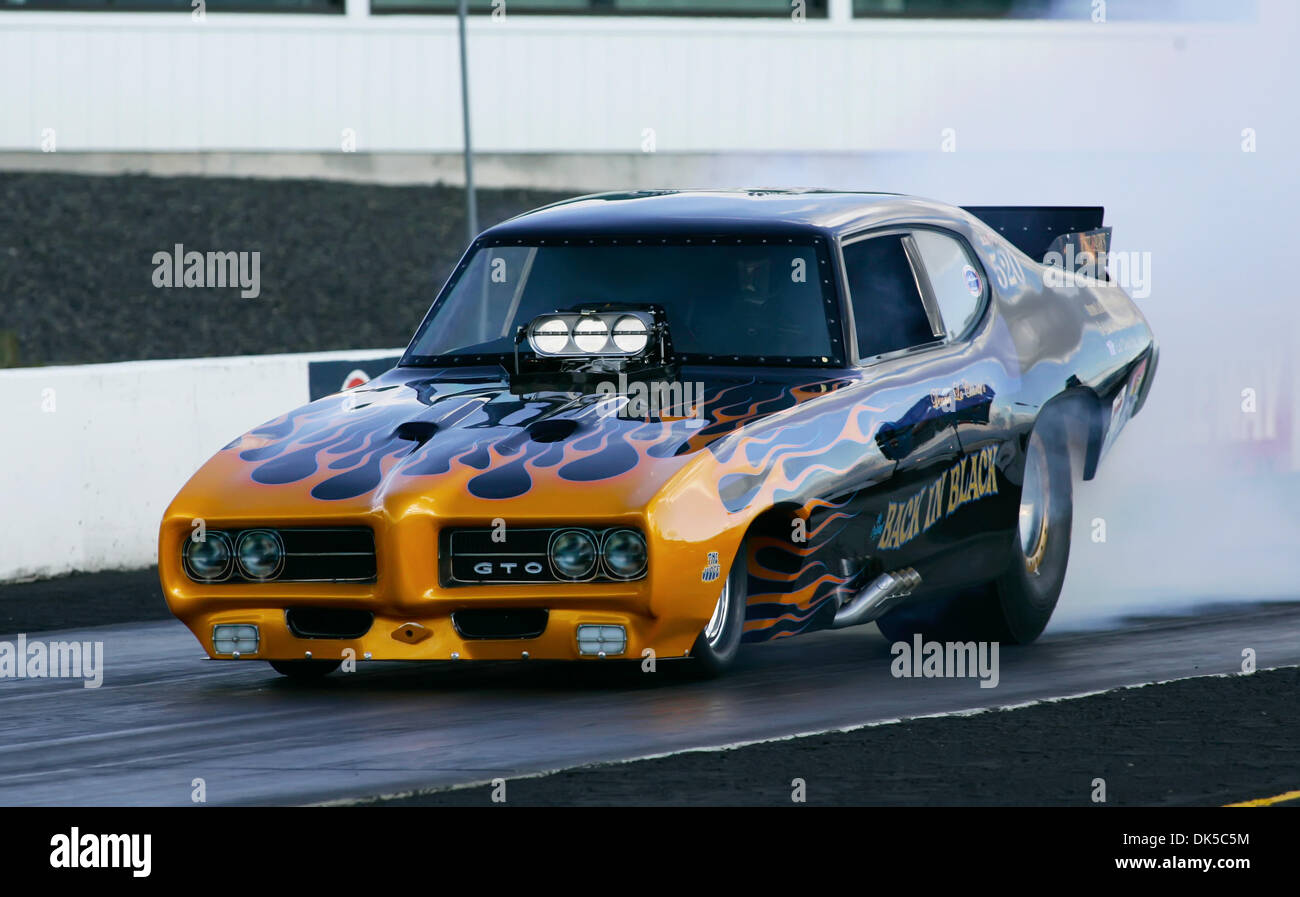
305, 670
1015, 607
716, 647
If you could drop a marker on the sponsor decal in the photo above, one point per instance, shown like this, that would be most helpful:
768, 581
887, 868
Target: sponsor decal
973, 282
712, 570
325, 378
1121, 408
354, 379
970, 479
947, 399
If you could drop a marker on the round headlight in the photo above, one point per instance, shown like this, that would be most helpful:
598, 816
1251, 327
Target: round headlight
551, 337
260, 554
624, 553
630, 334
573, 554
591, 335
208, 559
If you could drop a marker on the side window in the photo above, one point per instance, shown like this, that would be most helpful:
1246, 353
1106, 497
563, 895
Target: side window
956, 282
887, 309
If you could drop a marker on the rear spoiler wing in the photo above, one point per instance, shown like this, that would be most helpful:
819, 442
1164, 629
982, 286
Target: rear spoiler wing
1069, 237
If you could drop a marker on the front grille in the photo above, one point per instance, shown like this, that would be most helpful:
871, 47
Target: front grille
514, 623
513, 556
319, 554
475, 556
328, 622
328, 555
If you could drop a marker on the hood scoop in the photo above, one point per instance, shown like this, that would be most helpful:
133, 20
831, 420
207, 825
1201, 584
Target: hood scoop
417, 431
553, 430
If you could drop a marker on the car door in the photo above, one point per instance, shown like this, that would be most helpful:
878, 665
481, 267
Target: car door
978, 506
900, 344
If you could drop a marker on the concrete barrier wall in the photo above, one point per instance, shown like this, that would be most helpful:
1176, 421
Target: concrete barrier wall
93, 454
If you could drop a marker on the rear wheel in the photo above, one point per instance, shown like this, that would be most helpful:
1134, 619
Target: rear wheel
716, 647
305, 669
1016, 606
1026, 594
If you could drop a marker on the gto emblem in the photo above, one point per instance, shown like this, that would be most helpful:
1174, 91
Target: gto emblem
487, 568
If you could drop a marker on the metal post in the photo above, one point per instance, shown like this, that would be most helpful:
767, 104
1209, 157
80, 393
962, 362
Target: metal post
471, 203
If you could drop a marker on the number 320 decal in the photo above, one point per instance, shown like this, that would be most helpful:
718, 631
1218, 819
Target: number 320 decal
1006, 270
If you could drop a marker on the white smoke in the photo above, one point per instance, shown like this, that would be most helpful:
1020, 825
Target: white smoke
1200, 497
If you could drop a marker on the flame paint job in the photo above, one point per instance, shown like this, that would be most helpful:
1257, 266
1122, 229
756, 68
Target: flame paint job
776, 452
346, 445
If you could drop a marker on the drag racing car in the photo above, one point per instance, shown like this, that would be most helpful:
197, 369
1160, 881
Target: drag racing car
663, 424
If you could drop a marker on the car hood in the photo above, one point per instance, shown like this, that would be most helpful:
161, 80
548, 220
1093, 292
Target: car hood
413, 430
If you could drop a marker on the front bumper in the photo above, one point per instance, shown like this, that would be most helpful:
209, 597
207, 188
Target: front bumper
663, 612
436, 638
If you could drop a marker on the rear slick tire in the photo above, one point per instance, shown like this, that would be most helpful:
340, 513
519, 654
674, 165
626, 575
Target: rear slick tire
1015, 607
1022, 599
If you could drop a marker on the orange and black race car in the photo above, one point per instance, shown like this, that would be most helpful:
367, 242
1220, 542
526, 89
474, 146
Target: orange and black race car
662, 424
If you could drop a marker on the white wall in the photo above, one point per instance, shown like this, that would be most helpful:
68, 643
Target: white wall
161, 82
93, 454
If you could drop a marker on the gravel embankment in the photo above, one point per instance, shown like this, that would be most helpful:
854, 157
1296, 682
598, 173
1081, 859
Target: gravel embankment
342, 266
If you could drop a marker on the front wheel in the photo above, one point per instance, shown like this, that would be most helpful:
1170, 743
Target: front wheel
716, 647
305, 670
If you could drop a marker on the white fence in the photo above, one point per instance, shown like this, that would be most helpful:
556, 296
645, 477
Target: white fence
93, 454
161, 82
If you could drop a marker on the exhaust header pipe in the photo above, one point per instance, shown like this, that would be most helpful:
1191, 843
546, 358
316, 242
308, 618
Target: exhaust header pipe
877, 597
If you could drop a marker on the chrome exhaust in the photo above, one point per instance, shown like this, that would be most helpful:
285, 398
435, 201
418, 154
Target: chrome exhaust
876, 598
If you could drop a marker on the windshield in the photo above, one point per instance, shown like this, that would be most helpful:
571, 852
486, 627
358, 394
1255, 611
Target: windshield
742, 301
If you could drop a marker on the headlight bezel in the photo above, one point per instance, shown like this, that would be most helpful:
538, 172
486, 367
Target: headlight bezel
213, 537
275, 540
594, 567
607, 565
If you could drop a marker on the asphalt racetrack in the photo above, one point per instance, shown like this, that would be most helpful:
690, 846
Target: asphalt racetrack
165, 716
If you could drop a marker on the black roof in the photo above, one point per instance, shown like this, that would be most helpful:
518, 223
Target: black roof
664, 212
